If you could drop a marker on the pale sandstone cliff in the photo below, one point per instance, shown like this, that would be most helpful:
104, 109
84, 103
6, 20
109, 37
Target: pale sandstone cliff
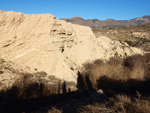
44, 43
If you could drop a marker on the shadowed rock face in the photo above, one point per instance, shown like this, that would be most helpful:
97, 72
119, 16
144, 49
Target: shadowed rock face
95, 23
44, 43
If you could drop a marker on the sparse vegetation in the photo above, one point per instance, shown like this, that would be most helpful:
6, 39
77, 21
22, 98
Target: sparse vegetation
118, 74
137, 36
125, 82
130, 43
119, 104
26, 88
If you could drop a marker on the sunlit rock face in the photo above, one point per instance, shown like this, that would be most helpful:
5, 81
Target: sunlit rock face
42, 42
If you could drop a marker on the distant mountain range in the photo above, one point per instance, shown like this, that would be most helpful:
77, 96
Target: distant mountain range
95, 23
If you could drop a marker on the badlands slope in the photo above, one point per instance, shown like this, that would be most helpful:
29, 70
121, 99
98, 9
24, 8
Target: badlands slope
44, 43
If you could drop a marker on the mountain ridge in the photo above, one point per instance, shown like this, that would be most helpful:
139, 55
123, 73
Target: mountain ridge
95, 23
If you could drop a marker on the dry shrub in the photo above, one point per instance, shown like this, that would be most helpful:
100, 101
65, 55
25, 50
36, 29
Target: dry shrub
119, 104
137, 65
116, 71
27, 88
86, 82
125, 104
94, 108
141, 105
54, 110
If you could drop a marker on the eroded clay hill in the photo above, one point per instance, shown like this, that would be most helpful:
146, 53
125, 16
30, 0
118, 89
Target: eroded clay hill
44, 43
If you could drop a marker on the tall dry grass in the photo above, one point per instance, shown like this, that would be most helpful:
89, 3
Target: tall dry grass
121, 73
119, 104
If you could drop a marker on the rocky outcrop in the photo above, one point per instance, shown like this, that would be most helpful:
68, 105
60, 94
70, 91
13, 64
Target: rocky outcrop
44, 43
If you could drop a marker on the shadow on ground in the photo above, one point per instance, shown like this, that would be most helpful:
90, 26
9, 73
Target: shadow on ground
34, 98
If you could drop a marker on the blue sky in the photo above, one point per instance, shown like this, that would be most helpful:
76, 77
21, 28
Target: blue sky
88, 9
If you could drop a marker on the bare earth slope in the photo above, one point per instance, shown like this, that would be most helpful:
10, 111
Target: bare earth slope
44, 43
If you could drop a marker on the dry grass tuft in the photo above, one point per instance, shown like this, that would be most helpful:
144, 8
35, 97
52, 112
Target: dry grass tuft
54, 110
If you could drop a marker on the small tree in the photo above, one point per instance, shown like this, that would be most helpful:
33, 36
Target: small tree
64, 87
80, 82
59, 87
